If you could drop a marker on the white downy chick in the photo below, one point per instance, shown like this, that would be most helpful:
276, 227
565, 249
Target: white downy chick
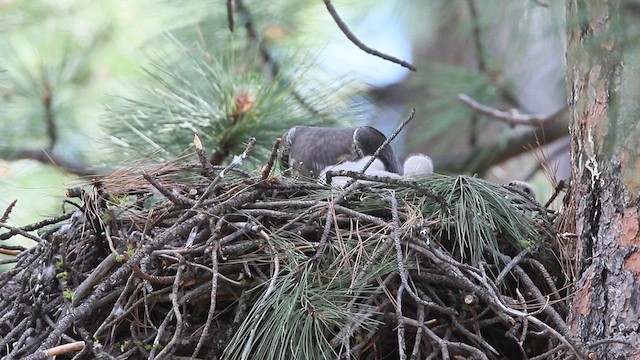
376, 168
418, 164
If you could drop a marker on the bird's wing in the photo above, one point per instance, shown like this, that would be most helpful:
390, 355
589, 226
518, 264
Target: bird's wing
313, 149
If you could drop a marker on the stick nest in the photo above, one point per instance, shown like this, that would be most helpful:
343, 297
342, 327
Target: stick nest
188, 261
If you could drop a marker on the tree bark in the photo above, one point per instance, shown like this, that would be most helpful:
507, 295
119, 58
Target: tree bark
603, 77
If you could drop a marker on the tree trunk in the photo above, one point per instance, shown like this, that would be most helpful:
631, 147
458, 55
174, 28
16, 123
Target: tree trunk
603, 79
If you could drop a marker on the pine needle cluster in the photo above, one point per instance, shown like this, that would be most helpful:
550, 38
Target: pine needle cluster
224, 102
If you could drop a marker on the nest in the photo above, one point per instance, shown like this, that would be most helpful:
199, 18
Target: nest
186, 260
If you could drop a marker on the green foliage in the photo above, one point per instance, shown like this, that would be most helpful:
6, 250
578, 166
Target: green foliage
480, 213
308, 305
68, 294
223, 101
38, 91
61, 60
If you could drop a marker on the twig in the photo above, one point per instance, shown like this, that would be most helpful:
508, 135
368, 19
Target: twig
115, 314
402, 344
174, 198
415, 353
351, 36
477, 42
507, 268
324, 239
15, 230
564, 333
35, 226
7, 211
266, 170
95, 277
230, 4
64, 349
562, 185
512, 119
476, 35
237, 161
50, 158
397, 131
49, 116
212, 295
202, 155
546, 276
553, 353
170, 348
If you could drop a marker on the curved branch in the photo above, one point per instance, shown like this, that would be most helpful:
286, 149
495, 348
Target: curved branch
482, 158
512, 118
351, 36
50, 158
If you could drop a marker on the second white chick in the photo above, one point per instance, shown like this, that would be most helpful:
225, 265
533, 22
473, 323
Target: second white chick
417, 165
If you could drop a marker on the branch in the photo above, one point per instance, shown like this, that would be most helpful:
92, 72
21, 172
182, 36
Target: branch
351, 36
477, 36
482, 66
50, 158
481, 159
509, 118
47, 102
388, 140
64, 349
230, 4
7, 211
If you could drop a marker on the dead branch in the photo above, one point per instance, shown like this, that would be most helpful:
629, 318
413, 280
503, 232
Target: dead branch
514, 118
46, 156
480, 159
354, 39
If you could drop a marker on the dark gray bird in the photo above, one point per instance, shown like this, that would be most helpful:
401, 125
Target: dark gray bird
307, 150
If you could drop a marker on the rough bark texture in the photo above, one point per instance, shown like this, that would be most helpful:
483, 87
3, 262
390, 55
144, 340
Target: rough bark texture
602, 80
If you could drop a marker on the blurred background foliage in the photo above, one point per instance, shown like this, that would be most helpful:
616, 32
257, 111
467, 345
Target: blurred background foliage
97, 83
